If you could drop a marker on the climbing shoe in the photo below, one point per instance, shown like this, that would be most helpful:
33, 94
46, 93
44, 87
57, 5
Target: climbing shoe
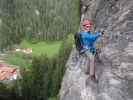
94, 79
87, 72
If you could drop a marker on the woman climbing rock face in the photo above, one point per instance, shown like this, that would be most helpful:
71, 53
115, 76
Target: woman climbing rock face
88, 39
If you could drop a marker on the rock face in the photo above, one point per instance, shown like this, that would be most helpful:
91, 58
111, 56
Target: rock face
115, 69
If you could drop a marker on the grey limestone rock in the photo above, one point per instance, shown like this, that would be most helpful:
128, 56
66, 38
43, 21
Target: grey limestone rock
115, 71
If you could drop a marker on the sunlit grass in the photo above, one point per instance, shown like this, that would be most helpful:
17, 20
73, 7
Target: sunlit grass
48, 48
40, 48
18, 59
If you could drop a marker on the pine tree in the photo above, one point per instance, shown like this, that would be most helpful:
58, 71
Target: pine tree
40, 78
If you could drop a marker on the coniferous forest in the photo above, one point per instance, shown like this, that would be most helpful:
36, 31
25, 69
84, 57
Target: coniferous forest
37, 22
38, 19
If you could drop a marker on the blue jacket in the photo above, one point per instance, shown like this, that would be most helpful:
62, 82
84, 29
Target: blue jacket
88, 39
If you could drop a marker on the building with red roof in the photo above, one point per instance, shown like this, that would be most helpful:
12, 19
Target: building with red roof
7, 72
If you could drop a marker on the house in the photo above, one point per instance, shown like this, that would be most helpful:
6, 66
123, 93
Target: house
7, 72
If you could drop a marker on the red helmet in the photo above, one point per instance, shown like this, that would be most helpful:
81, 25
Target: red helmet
87, 23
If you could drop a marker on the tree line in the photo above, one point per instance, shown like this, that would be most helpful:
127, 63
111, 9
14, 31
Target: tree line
37, 19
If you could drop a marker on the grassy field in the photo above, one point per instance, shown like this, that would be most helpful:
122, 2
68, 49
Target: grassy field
48, 48
38, 48
20, 59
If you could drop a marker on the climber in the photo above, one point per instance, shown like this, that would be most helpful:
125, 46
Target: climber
89, 49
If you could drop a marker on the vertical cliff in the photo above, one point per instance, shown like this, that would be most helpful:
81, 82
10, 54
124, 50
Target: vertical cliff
115, 70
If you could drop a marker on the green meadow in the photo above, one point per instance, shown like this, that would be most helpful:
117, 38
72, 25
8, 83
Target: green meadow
40, 48
48, 48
